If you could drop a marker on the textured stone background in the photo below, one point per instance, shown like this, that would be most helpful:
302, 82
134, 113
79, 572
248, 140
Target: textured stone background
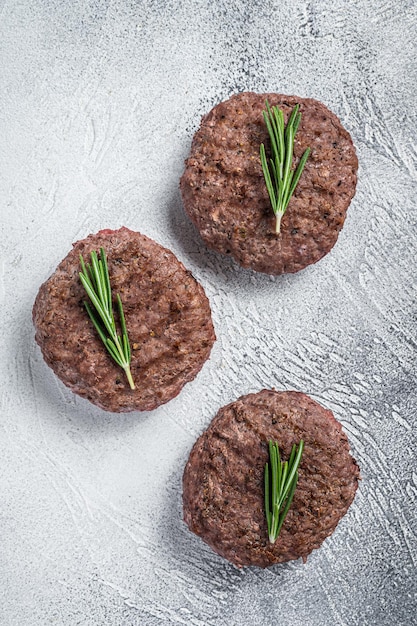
98, 104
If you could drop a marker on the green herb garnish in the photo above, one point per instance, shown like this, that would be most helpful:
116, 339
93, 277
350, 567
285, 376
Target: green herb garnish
280, 483
96, 281
280, 179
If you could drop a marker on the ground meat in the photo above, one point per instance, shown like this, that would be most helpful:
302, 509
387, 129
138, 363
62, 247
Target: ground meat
167, 315
224, 192
223, 484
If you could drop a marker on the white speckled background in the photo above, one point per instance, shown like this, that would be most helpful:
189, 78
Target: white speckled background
98, 103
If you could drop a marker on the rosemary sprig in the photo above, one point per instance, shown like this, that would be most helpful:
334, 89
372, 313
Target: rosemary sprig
280, 483
280, 179
96, 281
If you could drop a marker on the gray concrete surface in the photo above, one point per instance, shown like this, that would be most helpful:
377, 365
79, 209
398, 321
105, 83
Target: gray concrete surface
98, 104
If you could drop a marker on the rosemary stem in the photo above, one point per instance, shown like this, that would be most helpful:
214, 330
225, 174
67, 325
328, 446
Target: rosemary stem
280, 483
96, 281
278, 222
129, 376
124, 362
280, 178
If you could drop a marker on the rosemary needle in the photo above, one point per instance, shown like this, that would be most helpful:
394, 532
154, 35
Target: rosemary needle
280, 483
96, 281
280, 179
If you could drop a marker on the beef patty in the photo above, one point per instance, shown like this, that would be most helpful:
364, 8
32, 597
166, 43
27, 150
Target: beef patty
224, 192
167, 316
223, 483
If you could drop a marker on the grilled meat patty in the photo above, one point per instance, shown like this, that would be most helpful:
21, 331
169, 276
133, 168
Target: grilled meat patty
167, 315
223, 483
224, 192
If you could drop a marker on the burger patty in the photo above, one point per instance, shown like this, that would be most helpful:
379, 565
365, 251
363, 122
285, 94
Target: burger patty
223, 483
225, 195
167, 315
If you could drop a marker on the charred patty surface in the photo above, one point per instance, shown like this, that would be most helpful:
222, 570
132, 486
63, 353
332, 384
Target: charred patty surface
223, 483
168, 321
224, 192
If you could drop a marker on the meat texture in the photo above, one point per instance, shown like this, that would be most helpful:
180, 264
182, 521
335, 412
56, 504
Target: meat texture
223, 483
224, 192
167, 315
